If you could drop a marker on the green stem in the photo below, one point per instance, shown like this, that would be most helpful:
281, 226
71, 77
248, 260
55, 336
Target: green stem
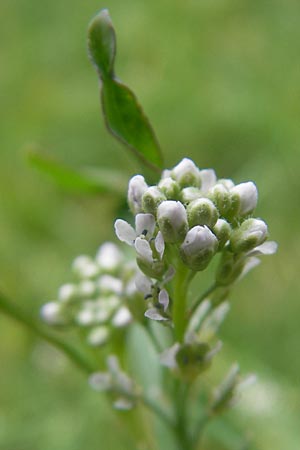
180, 300
13, 311
181, 431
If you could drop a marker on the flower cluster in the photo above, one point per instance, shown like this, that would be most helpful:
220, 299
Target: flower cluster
186, 219
100, 299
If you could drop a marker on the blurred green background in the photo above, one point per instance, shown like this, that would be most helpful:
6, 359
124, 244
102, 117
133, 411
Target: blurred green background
220, 81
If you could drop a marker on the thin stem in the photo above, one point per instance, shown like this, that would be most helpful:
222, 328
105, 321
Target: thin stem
13, 311
180, 300
180, 403
202, 297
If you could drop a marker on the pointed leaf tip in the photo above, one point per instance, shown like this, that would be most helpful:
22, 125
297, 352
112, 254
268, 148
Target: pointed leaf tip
102, 43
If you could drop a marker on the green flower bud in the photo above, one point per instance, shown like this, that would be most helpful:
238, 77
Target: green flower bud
169, 188
152, 199
249, 235
221, 197
186, 174
192, 359
202, 211
172, 221
198, 248
222, 230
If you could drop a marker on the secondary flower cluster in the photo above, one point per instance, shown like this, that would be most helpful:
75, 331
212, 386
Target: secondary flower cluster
187, 218
98, 302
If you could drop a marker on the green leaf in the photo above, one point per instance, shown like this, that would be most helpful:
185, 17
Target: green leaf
126, 120
102, 43
88, 181
123, 114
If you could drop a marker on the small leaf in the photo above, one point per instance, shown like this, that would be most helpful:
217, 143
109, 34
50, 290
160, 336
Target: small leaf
90, 180
123, 114
102, 43
126, 120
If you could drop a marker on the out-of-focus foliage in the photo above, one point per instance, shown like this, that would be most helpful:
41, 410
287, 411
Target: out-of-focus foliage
220, 83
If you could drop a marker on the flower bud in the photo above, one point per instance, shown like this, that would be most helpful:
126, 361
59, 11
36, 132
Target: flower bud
198, 247
221, 197
169, 188
202, 212
189, 194
249, 235
109, 257
247, 197
186, 173
151, 199
172, 221
136, 188
98, 336
208, 179
53, 314
222, 230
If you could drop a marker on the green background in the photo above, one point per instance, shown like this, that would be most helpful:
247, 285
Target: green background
220, 81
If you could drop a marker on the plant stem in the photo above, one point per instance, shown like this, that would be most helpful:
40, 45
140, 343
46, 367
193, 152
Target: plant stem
180, 298
13, 311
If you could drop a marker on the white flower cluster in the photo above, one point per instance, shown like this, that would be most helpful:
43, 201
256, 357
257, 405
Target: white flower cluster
98, 301
189, 216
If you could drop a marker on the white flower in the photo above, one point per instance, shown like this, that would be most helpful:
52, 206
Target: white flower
109, 256
198, 247
85, 267
122, 317
144, 225
247, 195
172, 221
136, 188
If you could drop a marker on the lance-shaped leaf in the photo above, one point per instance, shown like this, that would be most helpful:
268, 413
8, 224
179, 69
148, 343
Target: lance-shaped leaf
87, 181
124, 117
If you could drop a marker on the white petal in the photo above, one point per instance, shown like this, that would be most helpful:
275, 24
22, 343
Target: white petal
267, 248
124, 231
160, 244
153, 314
145, 224
163, 299
143, 283
123, 404
168, 357
143, 250
250, 264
